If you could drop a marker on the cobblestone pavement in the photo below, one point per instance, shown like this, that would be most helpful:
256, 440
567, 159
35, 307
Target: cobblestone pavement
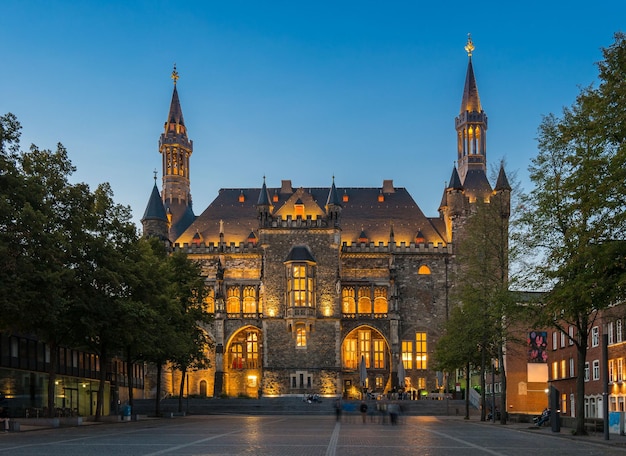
304, 436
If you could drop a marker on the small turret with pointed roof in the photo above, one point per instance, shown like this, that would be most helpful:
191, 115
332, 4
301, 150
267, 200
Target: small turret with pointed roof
333, 204
502, 193
154, 220
263, 205
176, 149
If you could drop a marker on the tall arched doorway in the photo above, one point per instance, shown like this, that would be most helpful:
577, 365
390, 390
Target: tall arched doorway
243, 364
366, 363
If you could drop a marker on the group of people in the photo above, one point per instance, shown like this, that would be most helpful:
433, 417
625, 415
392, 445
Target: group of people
384, 409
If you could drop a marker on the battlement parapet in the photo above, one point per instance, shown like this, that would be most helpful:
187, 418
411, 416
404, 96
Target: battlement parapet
211, 247
399, 248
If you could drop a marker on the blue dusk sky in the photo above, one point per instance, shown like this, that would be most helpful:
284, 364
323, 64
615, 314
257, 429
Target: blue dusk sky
299, 90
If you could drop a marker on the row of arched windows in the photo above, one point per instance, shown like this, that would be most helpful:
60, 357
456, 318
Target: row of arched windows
364, 300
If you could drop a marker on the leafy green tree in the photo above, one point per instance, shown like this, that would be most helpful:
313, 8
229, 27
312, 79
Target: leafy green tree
105, 277
188, 290
575, 213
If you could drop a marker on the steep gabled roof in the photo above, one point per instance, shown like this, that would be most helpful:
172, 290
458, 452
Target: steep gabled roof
154, 209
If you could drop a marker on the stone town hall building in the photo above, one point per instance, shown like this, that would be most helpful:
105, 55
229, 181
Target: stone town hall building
307, 282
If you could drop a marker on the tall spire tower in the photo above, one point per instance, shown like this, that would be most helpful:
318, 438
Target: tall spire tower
471, 124
176, 148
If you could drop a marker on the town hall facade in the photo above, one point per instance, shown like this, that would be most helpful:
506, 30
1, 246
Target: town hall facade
330, 290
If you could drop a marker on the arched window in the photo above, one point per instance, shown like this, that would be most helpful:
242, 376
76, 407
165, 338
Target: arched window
233, 301
380, 300
423, 270
365, 301
348, 304
209, 300
249, 300
300, 335
203, 388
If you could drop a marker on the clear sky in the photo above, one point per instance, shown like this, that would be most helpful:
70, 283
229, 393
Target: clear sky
300, 90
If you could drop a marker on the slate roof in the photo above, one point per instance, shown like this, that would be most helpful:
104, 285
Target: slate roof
154, 208
362, 211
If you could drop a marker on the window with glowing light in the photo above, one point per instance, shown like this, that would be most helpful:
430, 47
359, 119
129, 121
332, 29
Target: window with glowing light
348, 303
300, 284
244, 351
379, 354
350, 354
252, 350
421, 355
249, 300
300, 336
233, 300
365, 338
365, 301
407, 354
209, 300
423, 270
380, 300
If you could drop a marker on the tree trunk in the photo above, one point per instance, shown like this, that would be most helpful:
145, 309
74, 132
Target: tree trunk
183, 375
483, 398
52, 377
157, 406
503, 409
580, 388
467, 388
103, 376
129, 371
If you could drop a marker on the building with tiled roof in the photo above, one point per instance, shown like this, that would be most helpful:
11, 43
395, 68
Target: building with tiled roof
307, 282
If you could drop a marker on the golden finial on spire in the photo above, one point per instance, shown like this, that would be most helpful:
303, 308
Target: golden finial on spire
469, 47
175, 75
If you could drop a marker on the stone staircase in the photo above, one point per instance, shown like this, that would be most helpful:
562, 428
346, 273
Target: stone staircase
290, 406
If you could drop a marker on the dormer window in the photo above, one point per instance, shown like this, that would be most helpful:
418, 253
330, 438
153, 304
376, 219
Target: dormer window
275, 198
242, 197
381, 197
419, 237
345, 197
299, 208
363, 237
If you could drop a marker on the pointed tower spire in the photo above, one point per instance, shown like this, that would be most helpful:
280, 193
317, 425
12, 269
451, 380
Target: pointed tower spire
502, 183
154, 220
333, 204
263, 205
176, 148
471, 124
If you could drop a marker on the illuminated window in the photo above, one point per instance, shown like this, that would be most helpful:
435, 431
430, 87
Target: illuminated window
237, 356
423, 270
348, 304
300, 336
379, 354
365, 301
380, 300
349, 354
379, 381
242, 197
300, 285
364, 346
344, 198
298, 208
620, 369
563, 369
381, 198
555, 370
612, 371
421, 383
252, 350
421, 355
249, 300
407, 354
233, 301
275, 198
209, 300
